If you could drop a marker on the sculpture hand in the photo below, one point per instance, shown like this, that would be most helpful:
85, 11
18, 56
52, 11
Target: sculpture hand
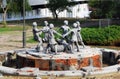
63, 36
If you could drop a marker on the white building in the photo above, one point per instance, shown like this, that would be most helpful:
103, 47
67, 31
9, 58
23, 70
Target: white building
77, 11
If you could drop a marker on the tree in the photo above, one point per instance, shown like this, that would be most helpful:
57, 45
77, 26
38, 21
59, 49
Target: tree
56, 6
102, 8
116, 10
18, 6
12, 6
4, 7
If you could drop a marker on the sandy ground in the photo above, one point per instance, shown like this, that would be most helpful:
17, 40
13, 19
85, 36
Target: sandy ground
13, 40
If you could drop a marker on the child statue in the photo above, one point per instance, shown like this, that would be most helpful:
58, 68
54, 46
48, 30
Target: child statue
79, 35
65, 28
74, 38
36, 33
51, 41
45, 31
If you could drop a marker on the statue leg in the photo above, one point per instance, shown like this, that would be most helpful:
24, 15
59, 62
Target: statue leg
39, 47
72, 46
83, 44
55, 48
47, 48
45, 39
76, 43
81, 41
71, 49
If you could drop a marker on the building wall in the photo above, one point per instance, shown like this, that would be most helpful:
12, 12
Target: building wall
78, 11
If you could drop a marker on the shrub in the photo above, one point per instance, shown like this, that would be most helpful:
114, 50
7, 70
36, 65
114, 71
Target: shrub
101, 36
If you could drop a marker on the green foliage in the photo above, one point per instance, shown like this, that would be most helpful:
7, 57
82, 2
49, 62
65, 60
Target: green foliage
17, 6
31, 40
13, 6
105, 8
56, 6
102, 36
116, 10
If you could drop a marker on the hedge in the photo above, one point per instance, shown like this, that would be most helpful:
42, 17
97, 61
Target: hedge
101, 36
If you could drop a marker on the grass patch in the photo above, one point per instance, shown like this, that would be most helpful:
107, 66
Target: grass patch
11, 28
31, 40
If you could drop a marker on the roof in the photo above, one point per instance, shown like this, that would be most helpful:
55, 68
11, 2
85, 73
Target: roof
40, 2
37, 2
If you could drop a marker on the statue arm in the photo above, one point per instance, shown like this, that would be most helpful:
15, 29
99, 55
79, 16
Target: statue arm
69, 28
43, 29
57, 33
39, 31
67, 33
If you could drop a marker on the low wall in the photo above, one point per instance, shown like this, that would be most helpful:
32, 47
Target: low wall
63, 61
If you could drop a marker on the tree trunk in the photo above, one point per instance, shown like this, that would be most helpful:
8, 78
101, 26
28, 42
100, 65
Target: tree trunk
55, 15
4, 18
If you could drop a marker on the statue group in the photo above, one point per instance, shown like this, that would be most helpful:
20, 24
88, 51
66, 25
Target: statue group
70, 38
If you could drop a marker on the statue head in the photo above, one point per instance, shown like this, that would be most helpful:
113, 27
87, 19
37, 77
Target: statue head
51, 26
34, 23
46, 23
74, 25
78, 23
65, 22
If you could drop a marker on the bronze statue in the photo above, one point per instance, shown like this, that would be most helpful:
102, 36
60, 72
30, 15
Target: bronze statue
51, 41
79, 37
66, 44
36, 33
74, 38
45, 31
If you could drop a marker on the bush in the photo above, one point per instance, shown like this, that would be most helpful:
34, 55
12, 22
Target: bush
101, 36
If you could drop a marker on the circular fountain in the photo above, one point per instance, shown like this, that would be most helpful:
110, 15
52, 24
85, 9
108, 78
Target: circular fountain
88, 61
62, 61
59, 57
